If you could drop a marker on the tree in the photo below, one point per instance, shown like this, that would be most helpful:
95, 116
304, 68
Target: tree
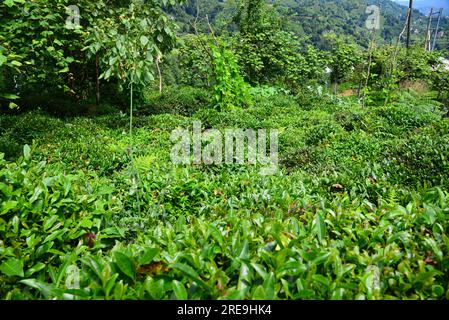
52, 54
230, 89
130, 45
10, 64
343, 57
265, 51
42, 49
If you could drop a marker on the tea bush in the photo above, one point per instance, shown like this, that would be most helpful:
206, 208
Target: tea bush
357, 210
176, 100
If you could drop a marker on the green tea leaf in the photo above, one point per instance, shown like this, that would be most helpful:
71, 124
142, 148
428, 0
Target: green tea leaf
7, 206
46, 289
54, 235
26, 152
269, 286
36, 268
125, 264
12, 267
190, 273
144, 40
179, 290
148, 255
320, 227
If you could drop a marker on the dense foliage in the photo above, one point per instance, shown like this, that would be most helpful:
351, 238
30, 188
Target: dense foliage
351, 215
92, 207
311, 19
46, 52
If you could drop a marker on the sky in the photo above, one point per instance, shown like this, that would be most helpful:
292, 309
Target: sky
425, 5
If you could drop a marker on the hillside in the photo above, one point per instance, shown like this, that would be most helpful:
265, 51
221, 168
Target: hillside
311, 18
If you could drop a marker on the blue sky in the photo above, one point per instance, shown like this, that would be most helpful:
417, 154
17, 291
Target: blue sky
425, 5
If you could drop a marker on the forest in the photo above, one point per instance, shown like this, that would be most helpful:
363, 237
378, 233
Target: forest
223, 150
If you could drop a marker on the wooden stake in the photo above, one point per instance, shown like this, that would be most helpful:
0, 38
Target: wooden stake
158, 60
97, 79
409, 22
428, 32
436, 30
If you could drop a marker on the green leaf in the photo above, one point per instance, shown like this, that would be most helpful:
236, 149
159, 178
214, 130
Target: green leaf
7, 206
321, 279
15, 224
13, 106
54, 235
125, 264
36, 268
244, 253
110, 284
46, 289
3, 59
9, 96
259, 293
260, 270
156, 288
179, 290
187, 270
49, 222
148, 255
62, 271
434, 247
437, 291
321, 258
43, 249
119, 290
26, 152
64, 70
94, 264
429, 214
269, 286
144, 40
190, 273
12, 267
245, 277
9, 3
320, 227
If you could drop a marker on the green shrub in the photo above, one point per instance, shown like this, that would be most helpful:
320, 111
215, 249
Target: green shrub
352, 192
176, 100
422, 159
408, 116
309, 97
47, 219
321, 132
15, 131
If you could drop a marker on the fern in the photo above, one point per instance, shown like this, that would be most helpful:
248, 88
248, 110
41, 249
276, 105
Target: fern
392, 198
144, 163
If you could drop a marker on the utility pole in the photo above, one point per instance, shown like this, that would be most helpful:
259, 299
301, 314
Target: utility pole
437, 29
409, 22
428, 32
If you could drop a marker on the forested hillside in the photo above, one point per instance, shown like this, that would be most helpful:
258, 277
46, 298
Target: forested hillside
309, 19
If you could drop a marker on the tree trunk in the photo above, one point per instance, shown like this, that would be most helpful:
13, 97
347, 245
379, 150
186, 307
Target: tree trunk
158, 60
97, 80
